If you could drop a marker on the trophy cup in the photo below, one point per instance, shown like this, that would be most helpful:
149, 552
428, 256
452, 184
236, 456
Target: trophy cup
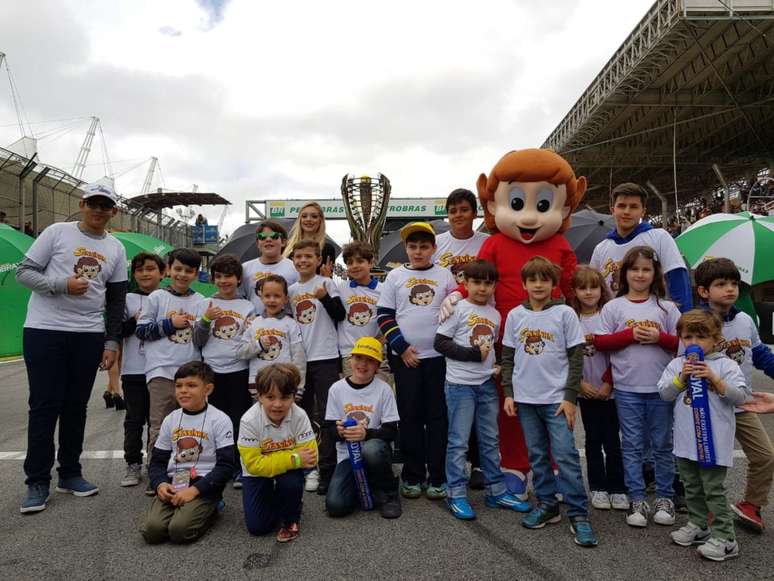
365, 203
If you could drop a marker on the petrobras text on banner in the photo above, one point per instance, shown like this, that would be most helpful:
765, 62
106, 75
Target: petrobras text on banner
429, 208
702, 423
358, 470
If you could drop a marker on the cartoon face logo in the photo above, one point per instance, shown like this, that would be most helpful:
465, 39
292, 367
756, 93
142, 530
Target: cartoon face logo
225, 328
735, 352
359, 416
181, 336
458, 270
188, 450
87, 266
359, 314
421, 295
588, 349
305, 311
271, 348
534, 345
481, 336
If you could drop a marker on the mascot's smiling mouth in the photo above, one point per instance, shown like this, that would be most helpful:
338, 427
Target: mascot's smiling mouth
528, 233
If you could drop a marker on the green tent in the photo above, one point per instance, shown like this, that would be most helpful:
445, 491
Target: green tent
13, 297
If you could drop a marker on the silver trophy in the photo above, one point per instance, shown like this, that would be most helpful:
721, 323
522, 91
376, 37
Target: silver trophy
365, 203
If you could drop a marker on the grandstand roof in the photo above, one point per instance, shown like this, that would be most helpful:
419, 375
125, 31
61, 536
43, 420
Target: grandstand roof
158, 200
695, 77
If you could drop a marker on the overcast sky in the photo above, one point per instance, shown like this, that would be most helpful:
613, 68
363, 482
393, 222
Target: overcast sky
258, 100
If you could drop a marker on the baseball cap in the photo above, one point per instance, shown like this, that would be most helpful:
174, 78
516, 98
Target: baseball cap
99, 189
368, 346
409, 229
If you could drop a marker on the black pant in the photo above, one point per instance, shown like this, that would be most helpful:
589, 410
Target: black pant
320, 375
61, 367
137, 416
423, 421
232, 397
270, 501
600, 421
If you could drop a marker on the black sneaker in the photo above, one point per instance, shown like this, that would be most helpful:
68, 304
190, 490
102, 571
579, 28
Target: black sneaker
391, 508
476, 479
322, 488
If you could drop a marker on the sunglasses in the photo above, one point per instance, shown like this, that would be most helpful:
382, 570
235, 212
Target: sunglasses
100, 204
269, 236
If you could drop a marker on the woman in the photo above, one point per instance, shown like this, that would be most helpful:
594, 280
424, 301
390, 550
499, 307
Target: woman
310, 225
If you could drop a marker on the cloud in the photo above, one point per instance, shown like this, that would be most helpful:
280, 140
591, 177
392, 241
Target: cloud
214, 11
170, 31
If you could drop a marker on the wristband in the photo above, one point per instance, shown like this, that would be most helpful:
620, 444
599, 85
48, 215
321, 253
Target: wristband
206, 320
677, 383
295, 460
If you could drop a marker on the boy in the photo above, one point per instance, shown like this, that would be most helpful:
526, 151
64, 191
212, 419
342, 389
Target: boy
218, 333
316, 306
271, 238
276, 443
192, 460
542, 366
705, 491
370, 401
407, 312
166, 328
467, 340
717, 282
147, 271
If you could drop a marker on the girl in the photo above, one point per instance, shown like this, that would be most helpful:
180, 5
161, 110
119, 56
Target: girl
597, 406
640, 328
310, 225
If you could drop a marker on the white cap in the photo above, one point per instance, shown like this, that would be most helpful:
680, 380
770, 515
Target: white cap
99, 188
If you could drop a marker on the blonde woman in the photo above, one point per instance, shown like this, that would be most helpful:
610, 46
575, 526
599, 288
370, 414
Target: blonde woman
310, 225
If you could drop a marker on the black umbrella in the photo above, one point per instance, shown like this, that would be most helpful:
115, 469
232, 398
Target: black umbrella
242, 241
391, 251
587, 229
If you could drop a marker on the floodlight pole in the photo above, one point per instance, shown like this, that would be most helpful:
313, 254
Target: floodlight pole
35, 204
664, 203
726, 196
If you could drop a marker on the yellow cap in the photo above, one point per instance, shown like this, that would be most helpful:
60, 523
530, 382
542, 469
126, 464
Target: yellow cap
368, 346
409, 229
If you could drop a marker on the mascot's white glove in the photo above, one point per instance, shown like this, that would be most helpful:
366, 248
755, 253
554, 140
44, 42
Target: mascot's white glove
448, 304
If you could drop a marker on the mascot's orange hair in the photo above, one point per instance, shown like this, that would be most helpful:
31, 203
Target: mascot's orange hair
531, 165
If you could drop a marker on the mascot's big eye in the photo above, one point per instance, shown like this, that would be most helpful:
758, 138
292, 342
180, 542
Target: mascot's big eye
517, 197
544, 200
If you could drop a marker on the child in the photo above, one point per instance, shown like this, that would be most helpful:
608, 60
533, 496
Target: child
597, 404
270, 239
705, 492
317, 308
717, 282
407, 313
191, 462
641, 327
276, 443
542, 363
218, 334
467, 340
147, 272
370, 401
166, 329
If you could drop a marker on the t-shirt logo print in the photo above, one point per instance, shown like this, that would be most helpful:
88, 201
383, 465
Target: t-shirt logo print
535, 340
188, 450
305, 311
421, 295
482, 336
359, 314
225, 328
359, 416
87, 266
272, 347
181, 336
588, 349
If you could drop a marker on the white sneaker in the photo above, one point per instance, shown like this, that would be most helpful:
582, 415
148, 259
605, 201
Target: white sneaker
619, 501
689, 535
638, 514
312, 481
719, 550
601, 500
664, 512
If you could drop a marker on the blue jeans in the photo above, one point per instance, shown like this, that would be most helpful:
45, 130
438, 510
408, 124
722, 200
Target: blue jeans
464, 403
549, 435
646, 419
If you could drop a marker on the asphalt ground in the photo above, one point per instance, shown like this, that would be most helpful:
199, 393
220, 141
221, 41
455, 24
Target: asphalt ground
97, 538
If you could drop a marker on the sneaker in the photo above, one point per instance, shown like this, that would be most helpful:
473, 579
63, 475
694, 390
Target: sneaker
476, 481
436, 492
718, 549
288, 533
584, 534
311, 482
638, 514
517, 483
390, 505
601, 500
322, 487
690, 535
460, 508
541, 515
509, 501
237, 484
149, 490
76, 486
221, 506
619, 501
664, 512
410, 490
35, 501
132, 476
749, 514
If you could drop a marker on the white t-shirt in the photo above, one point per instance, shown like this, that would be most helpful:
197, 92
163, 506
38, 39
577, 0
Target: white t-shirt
608, 255
416, 296
541, 340
254, 270
226, 334
374, 403
133, 352
63, 251
637, 368
360, 321
740, 337
271, 338
163, 357
471, 325
454, 253
595, 363
317, 328
194, 439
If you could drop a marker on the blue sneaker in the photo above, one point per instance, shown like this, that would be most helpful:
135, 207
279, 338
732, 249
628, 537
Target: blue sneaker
77, 486
221, 506
517, 483
35, 501
541, 515
584, 535
460, 508
509, 501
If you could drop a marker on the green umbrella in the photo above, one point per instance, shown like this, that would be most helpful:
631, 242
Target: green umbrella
745, 238
13, 297
134, 243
